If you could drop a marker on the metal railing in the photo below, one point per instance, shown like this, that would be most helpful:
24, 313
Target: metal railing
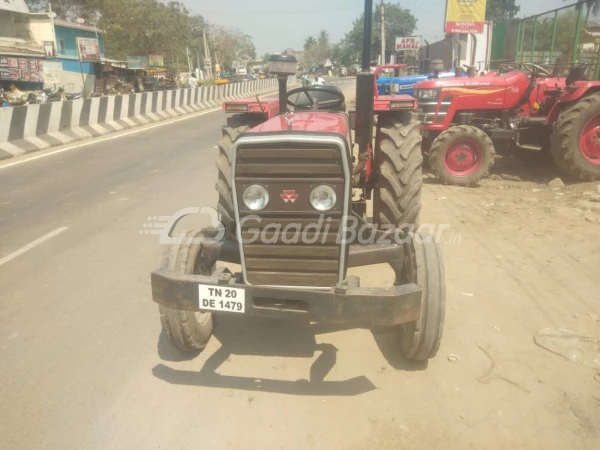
556, 37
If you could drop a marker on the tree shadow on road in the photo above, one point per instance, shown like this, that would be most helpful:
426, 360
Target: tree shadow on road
268, 338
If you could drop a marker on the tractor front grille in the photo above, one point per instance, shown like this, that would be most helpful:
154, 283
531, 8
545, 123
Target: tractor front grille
428, 112
289, 243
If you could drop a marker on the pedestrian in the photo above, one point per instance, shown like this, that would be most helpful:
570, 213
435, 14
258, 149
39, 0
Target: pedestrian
193, 82
319, 81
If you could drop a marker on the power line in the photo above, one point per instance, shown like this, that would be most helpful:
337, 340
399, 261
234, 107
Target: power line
273, 13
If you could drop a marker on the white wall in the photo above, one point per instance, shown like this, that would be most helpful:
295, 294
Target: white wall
41, 29
72, 82
482, 52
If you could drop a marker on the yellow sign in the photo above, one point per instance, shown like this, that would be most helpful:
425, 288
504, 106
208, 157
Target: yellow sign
465, 16
217, 67
156, 61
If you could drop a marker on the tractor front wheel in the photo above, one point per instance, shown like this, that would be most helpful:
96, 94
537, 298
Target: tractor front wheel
462, 155
576, 139
189, 331
398, 197
423, 266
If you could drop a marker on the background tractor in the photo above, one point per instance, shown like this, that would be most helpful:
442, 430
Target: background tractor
465, 121
285, 166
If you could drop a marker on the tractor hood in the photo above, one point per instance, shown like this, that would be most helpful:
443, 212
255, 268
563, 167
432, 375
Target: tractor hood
454, 82
307, 121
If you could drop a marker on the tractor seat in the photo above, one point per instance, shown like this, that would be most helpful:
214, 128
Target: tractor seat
324, 94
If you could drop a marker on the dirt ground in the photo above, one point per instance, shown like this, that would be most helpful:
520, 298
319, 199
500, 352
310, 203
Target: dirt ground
520, 257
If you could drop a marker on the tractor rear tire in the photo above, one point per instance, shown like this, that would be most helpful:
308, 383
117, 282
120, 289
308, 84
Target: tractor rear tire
189, 331
224, 184
398, 197
423, 266
570, 149
463, 141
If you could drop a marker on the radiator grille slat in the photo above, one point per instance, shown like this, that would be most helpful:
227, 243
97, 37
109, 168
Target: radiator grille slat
298, 257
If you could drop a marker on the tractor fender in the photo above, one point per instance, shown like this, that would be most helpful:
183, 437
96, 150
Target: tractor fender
572, 93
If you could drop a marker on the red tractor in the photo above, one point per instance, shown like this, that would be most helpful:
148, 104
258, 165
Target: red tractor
287, 167
465, 120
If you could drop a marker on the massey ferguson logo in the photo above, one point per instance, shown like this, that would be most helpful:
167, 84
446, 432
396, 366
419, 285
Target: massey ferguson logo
289, 196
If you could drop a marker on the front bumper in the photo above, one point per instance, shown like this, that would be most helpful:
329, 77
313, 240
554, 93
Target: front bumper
346, 304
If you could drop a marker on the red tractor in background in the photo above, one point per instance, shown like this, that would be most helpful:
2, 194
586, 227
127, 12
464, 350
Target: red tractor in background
464, 121
285, 166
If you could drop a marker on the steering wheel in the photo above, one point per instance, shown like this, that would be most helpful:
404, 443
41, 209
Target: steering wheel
507, 67
537, 69
315, 103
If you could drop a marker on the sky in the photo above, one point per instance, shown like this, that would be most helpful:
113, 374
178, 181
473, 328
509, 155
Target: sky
279, 24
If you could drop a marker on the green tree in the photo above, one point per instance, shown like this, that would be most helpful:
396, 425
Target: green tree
501, 10
323, 37
145, 27
593, 6
309, 42
68, 9
398, 22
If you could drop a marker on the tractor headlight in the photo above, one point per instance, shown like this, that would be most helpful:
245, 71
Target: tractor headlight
428, 94
323, 198
256, 197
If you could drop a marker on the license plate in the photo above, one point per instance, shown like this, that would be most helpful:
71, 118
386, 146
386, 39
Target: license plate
218, 298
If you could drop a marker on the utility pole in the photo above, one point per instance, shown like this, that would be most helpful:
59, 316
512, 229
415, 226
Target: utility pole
382, 33
187, 52
215, 47
207, 61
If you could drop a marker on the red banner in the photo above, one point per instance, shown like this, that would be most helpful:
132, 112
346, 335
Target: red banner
465, 27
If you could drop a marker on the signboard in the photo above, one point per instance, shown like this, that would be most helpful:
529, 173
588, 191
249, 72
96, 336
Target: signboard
408, 43
89, 49
138, 62
49, 49
156, 61
21, 69
465, 16
53, 71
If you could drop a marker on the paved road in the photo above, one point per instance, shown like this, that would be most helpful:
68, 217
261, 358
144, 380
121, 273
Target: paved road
83, 364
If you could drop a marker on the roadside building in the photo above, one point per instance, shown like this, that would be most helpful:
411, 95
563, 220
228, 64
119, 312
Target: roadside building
73, 72
23, 41
38, 51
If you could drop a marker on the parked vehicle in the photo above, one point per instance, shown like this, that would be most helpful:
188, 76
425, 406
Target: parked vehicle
288, 163
406, 85
465, 121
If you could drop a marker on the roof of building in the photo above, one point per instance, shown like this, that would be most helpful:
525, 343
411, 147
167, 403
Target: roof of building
76, 26
15, 50
14, 5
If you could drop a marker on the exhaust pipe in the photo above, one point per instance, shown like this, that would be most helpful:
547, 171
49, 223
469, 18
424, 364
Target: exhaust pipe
365, 93
472, 72
457, 67
427, 63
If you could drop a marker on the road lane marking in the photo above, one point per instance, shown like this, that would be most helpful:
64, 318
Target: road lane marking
32, 245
